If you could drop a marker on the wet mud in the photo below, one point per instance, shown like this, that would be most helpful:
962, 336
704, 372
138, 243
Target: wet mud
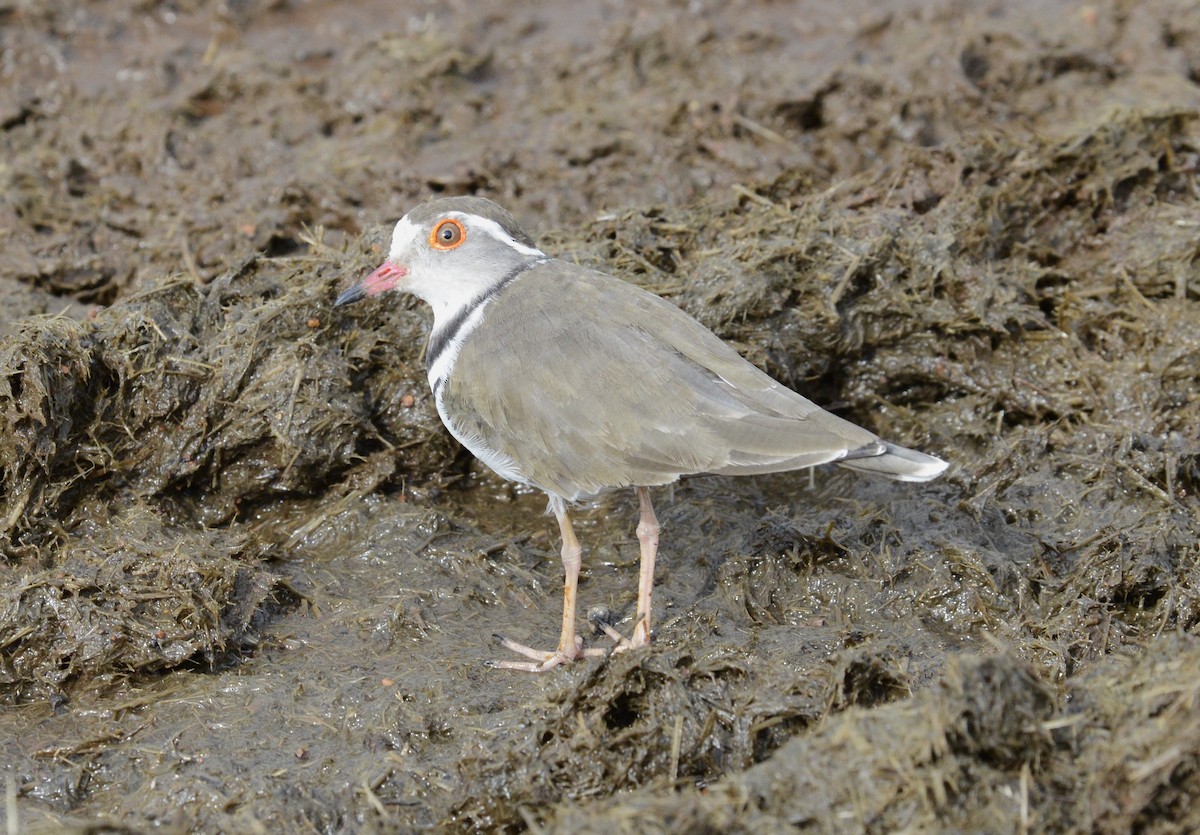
249, 583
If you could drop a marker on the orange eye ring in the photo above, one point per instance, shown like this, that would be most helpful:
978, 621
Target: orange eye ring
447, 234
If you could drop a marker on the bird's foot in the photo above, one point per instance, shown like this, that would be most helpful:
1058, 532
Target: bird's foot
641, 635
541, 660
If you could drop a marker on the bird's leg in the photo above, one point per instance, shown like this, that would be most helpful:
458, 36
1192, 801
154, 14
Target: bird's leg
572, 559
570, 646
647, 534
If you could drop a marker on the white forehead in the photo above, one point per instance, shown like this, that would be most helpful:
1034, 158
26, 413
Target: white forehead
408, 233
404, 235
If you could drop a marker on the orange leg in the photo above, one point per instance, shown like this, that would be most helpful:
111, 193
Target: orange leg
570, 645
647, 534
572, 559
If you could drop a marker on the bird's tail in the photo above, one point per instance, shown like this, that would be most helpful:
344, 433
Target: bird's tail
896, 462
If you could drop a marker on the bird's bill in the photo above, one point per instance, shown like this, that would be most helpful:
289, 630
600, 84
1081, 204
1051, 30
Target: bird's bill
386, 277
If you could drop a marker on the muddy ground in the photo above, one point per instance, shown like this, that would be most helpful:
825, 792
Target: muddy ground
249, 583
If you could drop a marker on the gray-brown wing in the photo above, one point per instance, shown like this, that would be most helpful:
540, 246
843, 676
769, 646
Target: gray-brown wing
586, 382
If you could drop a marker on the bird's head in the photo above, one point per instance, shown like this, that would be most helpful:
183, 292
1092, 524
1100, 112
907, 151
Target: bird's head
449, 252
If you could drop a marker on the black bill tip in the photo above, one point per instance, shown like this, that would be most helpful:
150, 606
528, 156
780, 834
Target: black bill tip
350, 295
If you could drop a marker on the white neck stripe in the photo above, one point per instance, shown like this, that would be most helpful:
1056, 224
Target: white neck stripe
447, 353
439, 372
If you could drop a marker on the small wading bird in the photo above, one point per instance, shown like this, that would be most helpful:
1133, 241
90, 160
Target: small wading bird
575, 382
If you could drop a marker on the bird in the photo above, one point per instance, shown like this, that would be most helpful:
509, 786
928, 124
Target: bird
575, 382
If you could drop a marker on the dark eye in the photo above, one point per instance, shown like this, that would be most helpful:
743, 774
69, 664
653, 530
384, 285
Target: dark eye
447, 234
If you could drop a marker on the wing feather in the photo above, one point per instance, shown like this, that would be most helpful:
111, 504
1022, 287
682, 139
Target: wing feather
587, 382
